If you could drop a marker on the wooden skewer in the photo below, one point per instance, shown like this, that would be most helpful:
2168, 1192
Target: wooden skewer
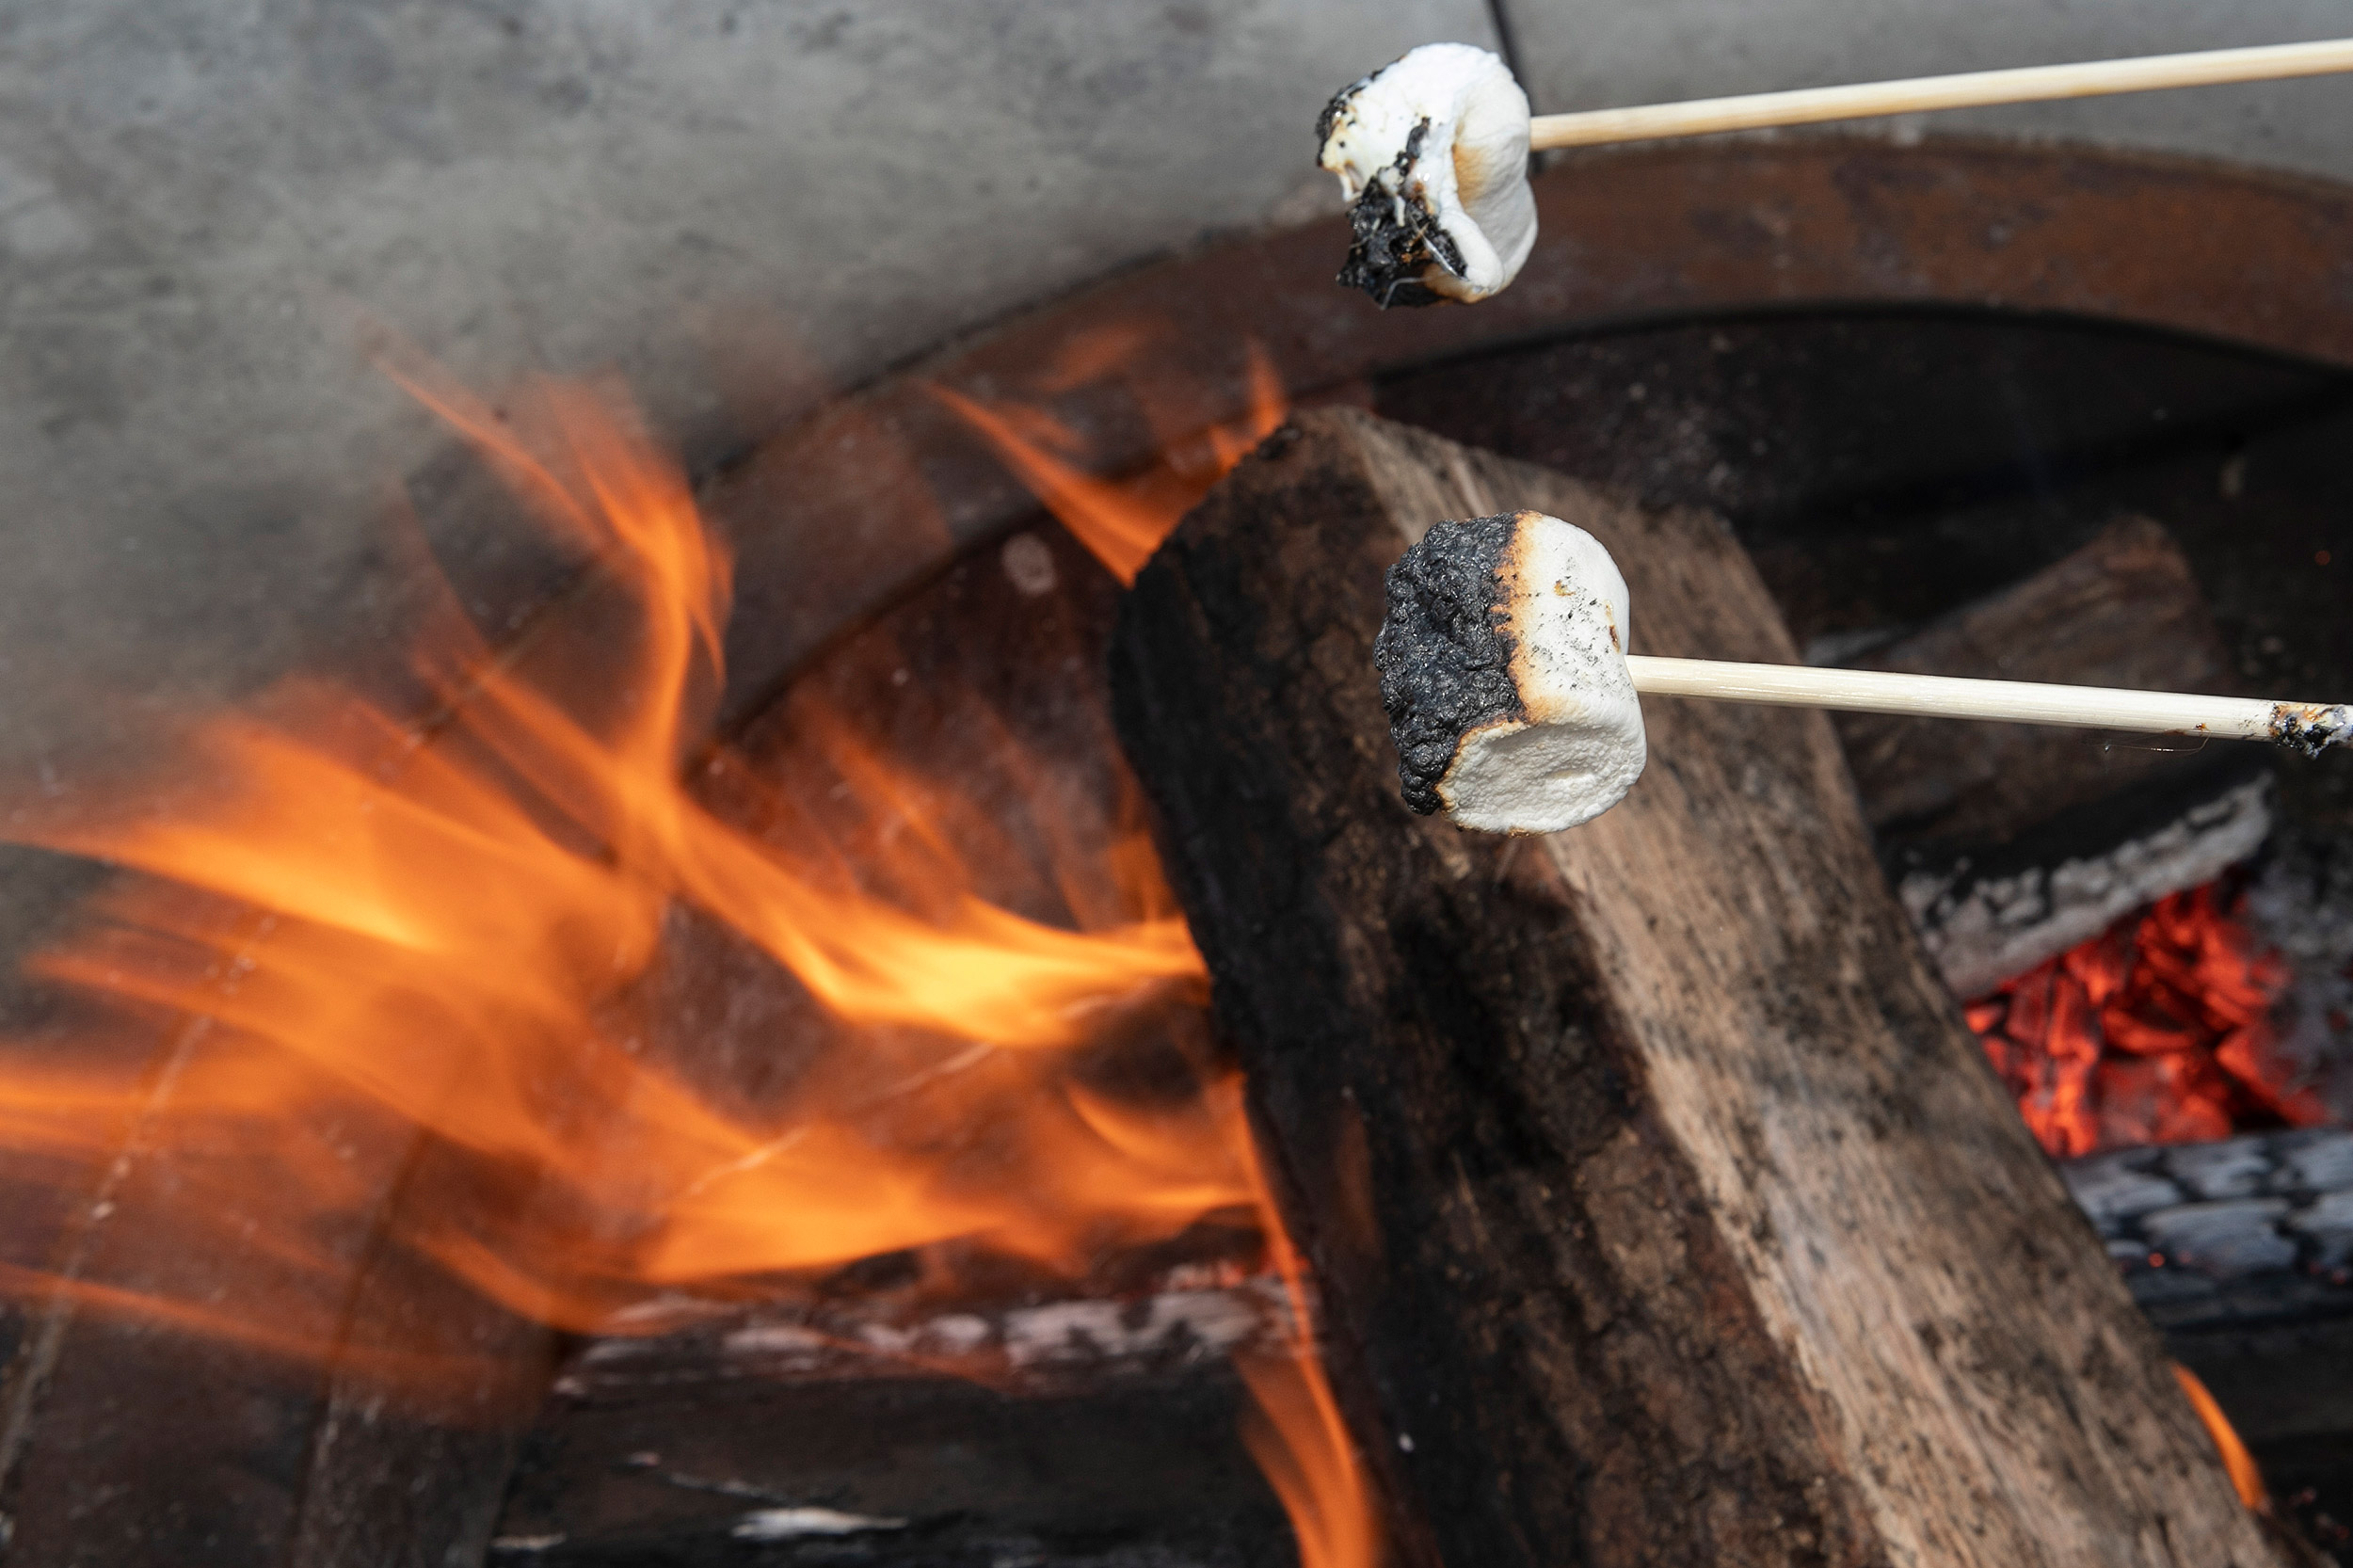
2308, 727
1972, 89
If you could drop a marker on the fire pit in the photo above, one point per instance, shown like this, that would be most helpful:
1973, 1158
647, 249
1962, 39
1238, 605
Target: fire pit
931, 679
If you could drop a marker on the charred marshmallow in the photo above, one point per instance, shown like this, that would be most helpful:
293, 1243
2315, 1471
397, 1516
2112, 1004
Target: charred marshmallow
1502, 665
1431, 151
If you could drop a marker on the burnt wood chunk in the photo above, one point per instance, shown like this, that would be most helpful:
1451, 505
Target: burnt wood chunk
1662, 1207
2125, 610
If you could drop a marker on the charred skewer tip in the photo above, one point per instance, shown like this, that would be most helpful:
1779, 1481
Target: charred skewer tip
2312, 727
1514, 705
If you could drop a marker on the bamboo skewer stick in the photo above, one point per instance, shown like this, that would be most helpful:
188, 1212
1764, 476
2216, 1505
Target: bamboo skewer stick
2305, 725
1971, 89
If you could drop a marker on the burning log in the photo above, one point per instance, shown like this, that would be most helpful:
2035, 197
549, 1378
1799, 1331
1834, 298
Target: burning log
922, 1468
427, 1469
1057, 1431
2158, 1032
1663, 1208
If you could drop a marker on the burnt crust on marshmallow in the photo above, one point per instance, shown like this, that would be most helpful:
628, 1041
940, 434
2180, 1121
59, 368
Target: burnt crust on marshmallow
1503, 668
1444, 651
1432, 154
1397, 237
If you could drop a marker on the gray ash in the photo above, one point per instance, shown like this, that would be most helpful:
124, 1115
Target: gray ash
1443, 655
1397, 237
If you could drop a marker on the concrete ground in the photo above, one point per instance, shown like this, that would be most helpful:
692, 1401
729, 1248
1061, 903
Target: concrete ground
206, 207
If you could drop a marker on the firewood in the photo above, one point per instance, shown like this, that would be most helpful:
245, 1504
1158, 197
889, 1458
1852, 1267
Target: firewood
2125, 610
1661, 1205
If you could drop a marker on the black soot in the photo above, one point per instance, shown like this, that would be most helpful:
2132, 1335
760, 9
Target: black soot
2311, 730
1443, 655
1397, 237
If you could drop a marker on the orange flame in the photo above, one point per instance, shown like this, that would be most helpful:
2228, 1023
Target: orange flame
436, 932
378, 934
2158, 1030
1122, 522
1297, 1437
2236, 1458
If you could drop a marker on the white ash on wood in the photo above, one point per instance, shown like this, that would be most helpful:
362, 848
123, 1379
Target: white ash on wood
1081, 1342
1663, 1208
1988, 915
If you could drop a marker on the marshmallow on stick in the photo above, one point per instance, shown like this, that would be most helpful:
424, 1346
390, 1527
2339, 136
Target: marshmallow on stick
1432, 149
1513, 700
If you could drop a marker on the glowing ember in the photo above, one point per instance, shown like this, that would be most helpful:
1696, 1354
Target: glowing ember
2158, 1030
1122, 521
380, 935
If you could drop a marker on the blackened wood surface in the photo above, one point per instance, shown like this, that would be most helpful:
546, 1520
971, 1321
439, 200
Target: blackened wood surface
1136, 1468
412, 1473
1663, 1209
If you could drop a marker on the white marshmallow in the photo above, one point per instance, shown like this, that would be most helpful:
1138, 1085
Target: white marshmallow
1431, 151
1581, 747
1505, 645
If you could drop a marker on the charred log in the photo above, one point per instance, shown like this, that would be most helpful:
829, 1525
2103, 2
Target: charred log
1057, 1432
1663, 1207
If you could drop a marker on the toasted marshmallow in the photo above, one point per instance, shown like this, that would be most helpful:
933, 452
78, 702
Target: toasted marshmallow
1502, 665
1432, 149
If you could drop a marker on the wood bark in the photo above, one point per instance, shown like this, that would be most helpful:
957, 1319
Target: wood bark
1662, 1207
